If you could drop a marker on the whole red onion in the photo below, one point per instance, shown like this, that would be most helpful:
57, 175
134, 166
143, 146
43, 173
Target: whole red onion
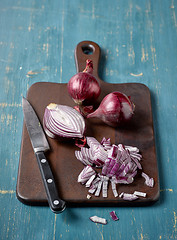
116, 108
83, 86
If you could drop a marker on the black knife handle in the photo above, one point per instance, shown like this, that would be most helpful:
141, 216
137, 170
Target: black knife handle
56, 204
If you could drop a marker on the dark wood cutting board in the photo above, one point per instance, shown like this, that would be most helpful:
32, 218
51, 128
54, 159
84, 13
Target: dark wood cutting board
66, 168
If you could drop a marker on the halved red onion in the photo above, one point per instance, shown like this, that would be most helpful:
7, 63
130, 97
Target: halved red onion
63, 121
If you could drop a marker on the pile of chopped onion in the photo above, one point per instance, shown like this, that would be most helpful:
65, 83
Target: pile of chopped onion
119, 164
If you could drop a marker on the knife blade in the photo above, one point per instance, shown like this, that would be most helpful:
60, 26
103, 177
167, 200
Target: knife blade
40, 146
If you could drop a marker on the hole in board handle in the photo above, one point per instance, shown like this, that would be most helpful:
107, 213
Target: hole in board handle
88, 49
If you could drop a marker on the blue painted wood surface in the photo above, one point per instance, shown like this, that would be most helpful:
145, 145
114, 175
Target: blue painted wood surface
139, 44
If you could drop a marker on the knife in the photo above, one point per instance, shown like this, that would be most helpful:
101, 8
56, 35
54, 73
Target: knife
40, 145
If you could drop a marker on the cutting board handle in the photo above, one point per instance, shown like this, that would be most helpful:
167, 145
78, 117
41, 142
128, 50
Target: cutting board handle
87, 50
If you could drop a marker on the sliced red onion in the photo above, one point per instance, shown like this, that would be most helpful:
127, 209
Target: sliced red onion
92, 142
97, 219
121, 194
113, 216
89, 182
132, 149
129, 197
124, 180
85, 174
94, 185
105, 166
106, 143
63, 121
119, 166
100, 155
98, 190
96, 154
113, 185
139, 194
105, 186
88, 196
87, 154
80, 157
148, 181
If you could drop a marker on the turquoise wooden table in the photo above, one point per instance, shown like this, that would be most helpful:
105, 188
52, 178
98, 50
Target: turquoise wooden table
138, 40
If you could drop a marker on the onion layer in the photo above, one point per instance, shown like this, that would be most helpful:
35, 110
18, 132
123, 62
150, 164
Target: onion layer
116, 108
63, 121
83, 86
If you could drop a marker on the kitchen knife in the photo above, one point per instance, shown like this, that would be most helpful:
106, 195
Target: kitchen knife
40, 145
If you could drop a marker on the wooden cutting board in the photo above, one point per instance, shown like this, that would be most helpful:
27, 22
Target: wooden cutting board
65, 166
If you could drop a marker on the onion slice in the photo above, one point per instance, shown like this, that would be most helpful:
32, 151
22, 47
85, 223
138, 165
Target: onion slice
113, 216
85, 174
148, 181
97, 219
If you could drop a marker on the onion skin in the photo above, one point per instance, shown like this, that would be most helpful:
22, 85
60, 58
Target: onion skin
83, 86
114, 110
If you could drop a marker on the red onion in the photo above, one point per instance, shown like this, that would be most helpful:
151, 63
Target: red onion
63, 121
116, 108
83, 86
